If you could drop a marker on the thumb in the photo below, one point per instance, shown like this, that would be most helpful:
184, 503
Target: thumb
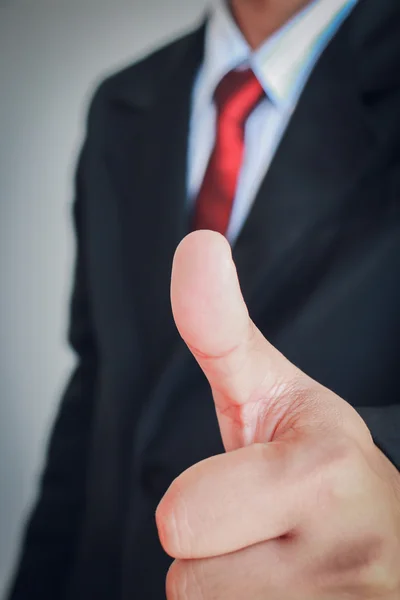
258, 393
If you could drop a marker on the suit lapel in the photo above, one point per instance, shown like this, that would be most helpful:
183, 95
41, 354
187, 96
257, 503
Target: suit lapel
325, 151
148, 165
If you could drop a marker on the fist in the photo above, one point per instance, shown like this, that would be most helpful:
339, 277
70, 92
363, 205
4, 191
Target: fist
303, 506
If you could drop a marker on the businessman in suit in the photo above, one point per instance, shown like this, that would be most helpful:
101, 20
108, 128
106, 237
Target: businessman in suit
272, 132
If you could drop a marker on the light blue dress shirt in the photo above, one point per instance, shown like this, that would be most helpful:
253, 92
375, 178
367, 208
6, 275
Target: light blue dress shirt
282, 65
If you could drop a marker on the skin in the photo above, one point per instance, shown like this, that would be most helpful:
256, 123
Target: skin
303, 505
258, 19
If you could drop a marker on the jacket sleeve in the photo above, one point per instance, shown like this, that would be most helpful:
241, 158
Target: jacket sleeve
384, 424
53, 530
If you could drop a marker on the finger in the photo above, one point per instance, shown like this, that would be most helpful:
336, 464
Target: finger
250, 379
296, 567
241, 498
309, 485
270, 570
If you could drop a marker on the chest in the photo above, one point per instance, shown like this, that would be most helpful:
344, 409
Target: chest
317, 253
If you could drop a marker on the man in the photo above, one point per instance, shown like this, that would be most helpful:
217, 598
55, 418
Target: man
276, 125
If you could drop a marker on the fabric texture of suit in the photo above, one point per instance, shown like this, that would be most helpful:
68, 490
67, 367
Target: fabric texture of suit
319, 263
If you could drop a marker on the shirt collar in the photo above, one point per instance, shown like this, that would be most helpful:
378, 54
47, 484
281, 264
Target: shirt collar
282, 62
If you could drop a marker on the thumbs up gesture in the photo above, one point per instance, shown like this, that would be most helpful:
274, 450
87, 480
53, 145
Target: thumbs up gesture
303, 506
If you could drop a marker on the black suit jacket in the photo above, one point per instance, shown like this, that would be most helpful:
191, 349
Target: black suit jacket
319, 263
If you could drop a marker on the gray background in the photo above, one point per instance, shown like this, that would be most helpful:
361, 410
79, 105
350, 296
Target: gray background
52, 52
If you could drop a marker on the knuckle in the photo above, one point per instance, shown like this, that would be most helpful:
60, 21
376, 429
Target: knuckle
379, 582
381, 575
367, 567
342, 475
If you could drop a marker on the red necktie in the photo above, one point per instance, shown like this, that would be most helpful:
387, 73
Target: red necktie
236, 96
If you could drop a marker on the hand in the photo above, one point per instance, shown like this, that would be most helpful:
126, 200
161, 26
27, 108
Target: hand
303, 506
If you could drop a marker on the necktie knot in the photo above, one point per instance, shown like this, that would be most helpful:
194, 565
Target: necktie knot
237, 95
